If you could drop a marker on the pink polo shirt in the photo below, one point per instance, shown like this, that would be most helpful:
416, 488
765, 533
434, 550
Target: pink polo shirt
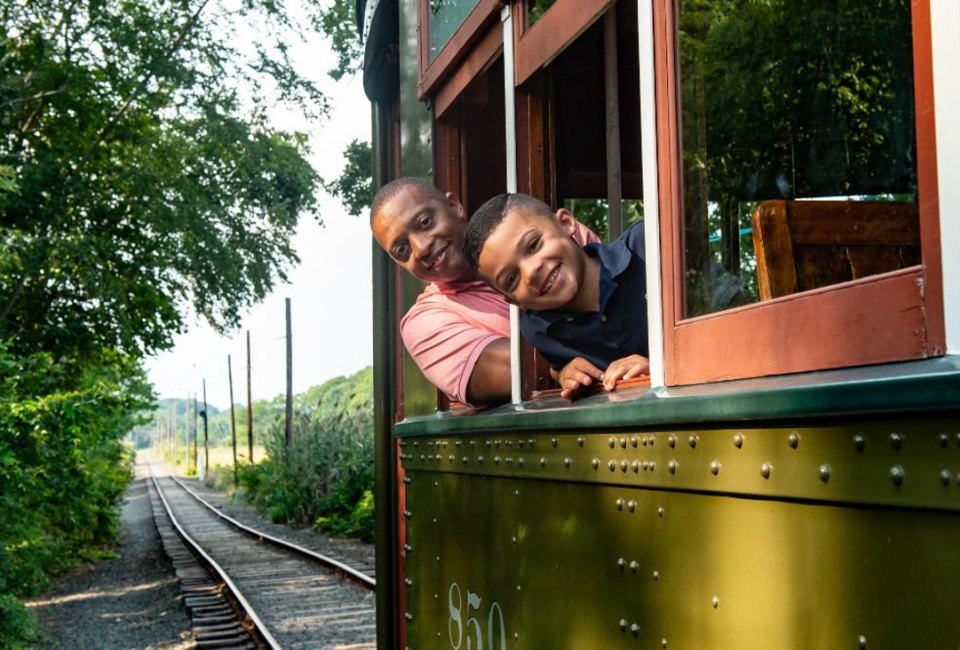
451, 324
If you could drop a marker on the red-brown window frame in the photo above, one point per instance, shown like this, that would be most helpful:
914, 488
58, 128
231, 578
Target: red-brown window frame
488, 46
890, 317
537, 45
472, 28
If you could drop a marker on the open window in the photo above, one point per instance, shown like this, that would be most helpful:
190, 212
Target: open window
797, 173
470, 129
470, 139
578, 122
795, 163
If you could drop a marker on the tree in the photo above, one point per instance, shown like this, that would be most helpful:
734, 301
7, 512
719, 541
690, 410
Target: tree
339, 22
354, 186
139, 179
149, 178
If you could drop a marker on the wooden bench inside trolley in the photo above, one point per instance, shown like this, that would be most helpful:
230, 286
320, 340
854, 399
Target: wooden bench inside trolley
802, 245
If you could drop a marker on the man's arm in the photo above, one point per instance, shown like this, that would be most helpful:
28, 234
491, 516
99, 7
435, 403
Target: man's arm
490, 379
449, 348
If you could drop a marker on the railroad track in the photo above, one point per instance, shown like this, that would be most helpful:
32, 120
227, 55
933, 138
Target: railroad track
288, 596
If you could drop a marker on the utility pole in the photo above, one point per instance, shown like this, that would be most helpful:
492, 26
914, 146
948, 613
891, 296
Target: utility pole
249, 407
206, 446
196, 429
233, 421
289, 427
186, 434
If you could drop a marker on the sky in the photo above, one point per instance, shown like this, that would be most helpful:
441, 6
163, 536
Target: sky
330, 289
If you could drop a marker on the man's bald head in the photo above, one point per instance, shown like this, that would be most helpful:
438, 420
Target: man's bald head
384, 194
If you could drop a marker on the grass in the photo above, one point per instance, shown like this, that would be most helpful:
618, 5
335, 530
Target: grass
219, 456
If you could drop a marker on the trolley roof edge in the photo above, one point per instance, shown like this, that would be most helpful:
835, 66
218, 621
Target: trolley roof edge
931, 385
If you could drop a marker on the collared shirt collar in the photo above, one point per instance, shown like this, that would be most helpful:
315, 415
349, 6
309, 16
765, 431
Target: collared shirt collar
450, 288
615, 257
614, 260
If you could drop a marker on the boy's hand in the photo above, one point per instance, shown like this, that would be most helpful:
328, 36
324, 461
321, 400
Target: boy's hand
575, 374
625, 368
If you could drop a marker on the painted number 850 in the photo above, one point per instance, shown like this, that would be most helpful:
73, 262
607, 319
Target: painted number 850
456, 626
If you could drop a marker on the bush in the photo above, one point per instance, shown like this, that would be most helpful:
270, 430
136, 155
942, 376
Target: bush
63, 466
18, 625
326, 477
358, 524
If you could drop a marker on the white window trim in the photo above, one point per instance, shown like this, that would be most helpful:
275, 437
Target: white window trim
651, 192
945, 28
509, 104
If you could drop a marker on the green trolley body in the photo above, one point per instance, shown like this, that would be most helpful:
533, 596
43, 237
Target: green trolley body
809, 501
795, 530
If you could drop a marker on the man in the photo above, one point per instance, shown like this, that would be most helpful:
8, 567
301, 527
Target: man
458, 330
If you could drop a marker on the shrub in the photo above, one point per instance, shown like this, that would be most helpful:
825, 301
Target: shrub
63, 466
359, 523
18, 625
325, 478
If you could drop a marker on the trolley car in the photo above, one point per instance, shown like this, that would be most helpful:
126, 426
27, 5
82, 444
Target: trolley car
791, 476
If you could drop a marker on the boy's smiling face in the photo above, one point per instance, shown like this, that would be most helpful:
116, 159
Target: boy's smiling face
532, 259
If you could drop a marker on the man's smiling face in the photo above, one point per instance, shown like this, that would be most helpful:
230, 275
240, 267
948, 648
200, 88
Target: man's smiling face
424, 235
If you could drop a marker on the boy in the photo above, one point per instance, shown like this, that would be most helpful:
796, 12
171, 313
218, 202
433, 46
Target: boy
584, 308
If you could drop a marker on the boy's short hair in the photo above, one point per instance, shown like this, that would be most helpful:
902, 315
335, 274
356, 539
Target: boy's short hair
394, 187
490, 215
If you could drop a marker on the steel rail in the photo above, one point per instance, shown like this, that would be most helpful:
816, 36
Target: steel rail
258, 624
347, 571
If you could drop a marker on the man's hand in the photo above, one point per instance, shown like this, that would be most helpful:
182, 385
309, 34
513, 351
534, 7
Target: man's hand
625, 368
575, 374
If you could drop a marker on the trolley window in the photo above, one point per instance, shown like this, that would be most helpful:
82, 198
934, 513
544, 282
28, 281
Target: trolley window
547, 27
578, 128
804, 171
448, 31
470, 130
471, 140
444, 18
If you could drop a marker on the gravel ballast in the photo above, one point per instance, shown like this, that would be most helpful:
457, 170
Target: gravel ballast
132, 601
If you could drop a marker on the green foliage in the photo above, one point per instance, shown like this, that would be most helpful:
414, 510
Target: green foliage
359, 523
338, 21
170, 413
595, 214
8, 181
354, 186
326, 477
146, 184
537, 8
799, 99
63, 466
140, 179
18, 625
221, 477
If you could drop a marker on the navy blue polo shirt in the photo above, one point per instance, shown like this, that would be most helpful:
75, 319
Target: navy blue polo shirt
618, 330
